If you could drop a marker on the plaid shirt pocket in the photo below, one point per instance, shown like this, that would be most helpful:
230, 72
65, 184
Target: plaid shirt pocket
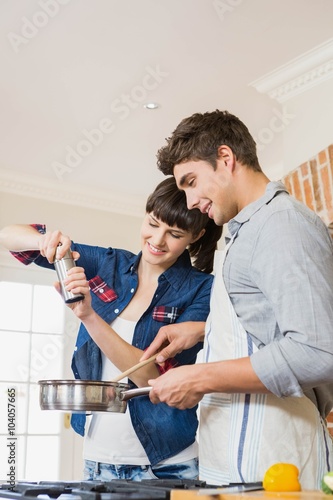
166, 314
99, 287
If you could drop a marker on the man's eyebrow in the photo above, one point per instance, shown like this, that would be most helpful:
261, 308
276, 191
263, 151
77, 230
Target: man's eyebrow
183, 179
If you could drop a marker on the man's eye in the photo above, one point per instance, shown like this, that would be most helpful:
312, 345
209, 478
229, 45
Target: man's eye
152, 224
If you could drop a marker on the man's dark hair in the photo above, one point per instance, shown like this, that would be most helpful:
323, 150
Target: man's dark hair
199, 136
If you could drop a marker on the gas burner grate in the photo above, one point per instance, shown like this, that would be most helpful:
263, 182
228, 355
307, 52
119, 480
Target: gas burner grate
117, 489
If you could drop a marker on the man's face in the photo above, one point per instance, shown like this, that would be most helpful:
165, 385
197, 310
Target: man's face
212, 191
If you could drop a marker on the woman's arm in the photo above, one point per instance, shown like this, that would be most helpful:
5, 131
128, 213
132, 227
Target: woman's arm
122, 354
21, 237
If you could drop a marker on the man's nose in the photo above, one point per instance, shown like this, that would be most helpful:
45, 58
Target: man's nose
192, 201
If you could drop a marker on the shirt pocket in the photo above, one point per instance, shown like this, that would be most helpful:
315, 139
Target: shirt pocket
102, 290
167, 314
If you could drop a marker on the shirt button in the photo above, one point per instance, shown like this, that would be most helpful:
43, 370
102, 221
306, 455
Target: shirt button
116, 311
132, 290
101, 290
75, 348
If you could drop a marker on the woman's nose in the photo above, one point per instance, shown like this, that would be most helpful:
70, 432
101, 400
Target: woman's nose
159, 237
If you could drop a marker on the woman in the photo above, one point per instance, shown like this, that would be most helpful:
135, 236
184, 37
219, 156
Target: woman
127, 299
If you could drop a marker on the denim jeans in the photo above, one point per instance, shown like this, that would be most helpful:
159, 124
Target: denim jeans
107, 472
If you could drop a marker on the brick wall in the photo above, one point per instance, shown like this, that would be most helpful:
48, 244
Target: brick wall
312, 183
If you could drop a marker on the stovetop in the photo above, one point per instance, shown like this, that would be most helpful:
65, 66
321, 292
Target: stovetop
117, 489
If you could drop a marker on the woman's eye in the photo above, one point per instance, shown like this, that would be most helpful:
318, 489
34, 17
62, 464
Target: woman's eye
152, 224
176, 236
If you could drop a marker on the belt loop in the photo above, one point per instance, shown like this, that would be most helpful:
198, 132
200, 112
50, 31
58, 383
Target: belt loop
97, 468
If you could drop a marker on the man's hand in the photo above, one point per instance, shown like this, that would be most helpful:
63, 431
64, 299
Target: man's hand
175, 338
178, 387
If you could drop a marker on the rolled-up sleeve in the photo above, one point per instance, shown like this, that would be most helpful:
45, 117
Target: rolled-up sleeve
29, 256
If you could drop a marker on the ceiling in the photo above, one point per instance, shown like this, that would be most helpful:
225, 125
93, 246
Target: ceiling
76, 73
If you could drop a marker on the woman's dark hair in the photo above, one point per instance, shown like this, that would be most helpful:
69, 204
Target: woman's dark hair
199, 137
168, 204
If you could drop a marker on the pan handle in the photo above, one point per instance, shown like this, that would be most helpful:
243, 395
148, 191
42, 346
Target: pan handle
132, 393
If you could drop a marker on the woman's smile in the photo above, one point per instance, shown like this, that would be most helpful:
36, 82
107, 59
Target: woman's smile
154, 249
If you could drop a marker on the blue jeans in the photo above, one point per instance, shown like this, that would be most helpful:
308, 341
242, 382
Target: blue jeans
107, 472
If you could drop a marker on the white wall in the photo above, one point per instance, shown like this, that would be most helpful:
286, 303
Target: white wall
311, 129
83, 225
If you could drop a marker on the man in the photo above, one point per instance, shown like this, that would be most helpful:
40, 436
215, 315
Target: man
266, 385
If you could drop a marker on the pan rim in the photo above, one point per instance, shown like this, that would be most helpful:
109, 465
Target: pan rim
102, 383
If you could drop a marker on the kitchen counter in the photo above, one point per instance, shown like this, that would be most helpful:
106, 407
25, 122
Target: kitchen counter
254, 495
159, 489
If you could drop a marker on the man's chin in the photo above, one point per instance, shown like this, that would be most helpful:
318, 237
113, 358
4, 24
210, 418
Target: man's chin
217, 220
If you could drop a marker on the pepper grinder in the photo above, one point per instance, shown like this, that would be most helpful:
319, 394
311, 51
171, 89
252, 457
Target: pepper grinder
62, 266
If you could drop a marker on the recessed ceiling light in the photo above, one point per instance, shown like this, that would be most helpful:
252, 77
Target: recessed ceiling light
151, 105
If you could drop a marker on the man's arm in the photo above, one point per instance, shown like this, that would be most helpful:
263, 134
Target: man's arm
185, 386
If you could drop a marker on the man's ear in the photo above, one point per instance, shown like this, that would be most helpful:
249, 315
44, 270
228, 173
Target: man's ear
226, 156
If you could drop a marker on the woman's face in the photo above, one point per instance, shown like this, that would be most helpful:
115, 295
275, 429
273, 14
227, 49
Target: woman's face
162, 244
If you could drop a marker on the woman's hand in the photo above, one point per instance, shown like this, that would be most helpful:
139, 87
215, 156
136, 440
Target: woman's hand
76, 282
52, 243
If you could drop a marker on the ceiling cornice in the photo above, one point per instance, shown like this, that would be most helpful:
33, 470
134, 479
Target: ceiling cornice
299, 75
44, 189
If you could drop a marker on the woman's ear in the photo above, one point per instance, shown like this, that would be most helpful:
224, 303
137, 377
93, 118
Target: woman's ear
202, 232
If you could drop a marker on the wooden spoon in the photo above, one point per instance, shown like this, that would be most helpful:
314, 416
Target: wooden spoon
134, 368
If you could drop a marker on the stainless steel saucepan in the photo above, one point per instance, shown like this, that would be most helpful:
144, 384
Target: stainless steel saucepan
87, 396
90, 396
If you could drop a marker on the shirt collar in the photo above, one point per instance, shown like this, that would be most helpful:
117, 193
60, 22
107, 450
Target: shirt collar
133, 266
272, 189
